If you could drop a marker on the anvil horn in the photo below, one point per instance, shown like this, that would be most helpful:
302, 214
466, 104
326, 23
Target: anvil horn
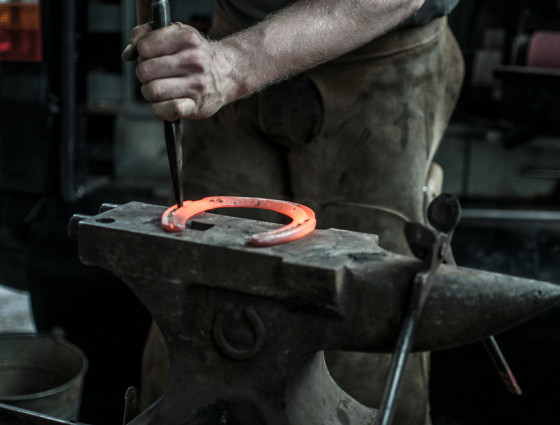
464, 305
490, 302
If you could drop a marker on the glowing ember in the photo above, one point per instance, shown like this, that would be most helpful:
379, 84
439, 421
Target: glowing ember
303, 218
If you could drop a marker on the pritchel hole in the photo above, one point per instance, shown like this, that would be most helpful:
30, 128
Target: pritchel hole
196, 225
105, 220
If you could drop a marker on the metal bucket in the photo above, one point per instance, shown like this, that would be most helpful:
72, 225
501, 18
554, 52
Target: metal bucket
42, 373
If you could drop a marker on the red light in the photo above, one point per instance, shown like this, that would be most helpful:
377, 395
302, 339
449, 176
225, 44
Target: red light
20, 32
4, 17
5, 45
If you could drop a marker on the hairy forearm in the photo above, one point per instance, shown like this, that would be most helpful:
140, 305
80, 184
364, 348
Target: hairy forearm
186, 75
305, 34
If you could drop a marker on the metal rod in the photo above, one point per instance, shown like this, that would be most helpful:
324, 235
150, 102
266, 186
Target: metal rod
502, 366
128, 80
11, 415
161, 16
398, 362
173, 140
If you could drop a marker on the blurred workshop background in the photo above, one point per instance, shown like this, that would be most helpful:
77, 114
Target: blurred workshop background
70, 120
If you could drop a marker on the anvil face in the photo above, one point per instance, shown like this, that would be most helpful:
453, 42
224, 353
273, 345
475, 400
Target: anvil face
244, 324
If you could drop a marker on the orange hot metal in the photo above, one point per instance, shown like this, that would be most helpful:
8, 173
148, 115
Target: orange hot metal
303, 218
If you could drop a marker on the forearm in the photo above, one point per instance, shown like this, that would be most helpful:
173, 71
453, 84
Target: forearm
184, 74
305, 34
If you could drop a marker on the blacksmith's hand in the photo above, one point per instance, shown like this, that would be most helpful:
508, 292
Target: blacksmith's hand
183, 74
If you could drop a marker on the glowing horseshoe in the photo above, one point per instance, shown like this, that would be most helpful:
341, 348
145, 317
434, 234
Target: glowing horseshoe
303, 218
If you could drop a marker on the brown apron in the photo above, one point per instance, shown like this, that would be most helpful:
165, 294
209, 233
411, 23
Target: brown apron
353, 139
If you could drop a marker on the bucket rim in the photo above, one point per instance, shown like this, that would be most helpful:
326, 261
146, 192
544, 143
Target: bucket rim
61, 388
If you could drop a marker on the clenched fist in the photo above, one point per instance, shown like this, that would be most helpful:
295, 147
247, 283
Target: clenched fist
182, 73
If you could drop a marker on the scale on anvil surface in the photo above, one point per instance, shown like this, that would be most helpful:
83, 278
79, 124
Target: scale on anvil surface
246, 326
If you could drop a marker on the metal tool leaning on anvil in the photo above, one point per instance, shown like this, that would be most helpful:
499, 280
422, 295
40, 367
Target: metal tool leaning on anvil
433, 248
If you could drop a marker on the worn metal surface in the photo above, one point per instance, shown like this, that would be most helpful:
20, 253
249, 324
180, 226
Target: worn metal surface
42, 373
244, 324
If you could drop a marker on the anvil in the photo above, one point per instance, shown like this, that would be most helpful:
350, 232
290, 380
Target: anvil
246, 326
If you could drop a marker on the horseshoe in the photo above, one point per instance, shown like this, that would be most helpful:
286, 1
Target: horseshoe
303, 218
